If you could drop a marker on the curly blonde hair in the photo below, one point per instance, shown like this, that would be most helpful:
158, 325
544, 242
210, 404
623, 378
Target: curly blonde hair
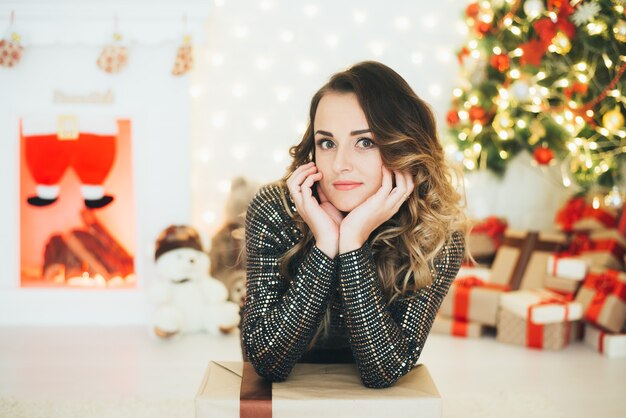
404, 130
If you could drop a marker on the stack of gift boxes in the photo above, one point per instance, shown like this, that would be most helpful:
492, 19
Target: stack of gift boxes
546, 289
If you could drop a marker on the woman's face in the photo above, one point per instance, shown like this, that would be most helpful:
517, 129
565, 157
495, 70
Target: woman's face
345, 152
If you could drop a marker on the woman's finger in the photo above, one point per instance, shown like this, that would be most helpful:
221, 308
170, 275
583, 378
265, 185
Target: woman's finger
400, 188
306, 186
298, 176
387, 181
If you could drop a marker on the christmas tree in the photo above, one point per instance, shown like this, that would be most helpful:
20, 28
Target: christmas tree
545, 77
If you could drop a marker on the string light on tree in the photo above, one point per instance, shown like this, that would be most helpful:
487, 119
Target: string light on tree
533, 8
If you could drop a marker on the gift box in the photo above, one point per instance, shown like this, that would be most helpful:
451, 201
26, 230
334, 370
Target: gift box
578, 215
457, 328
610, 344
233, 389
562, 285
603, 248
485, 238
537, 318
603, 297
482, 273
521, 260
541, 306
567, 267
513, 329
472, 299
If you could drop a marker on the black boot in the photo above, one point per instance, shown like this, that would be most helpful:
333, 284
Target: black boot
99, 203
39, 201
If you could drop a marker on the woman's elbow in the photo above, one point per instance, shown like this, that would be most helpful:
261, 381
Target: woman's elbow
378, 382
273, 374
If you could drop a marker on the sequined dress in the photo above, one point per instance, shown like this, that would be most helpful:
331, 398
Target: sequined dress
281, 316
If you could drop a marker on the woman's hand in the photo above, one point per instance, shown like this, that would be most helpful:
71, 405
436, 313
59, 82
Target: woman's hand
322, 218
378, 208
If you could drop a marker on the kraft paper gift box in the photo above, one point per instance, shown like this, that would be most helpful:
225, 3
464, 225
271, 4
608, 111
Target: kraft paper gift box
604, 247
610, 344
537, 318
521, 260
541, 306
512, 329
562, 285
603, 297
485, 238
233, 389
565, 273
457, 328
472, 299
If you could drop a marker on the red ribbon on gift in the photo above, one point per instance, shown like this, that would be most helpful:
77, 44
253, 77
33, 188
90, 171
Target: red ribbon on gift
463, 286
494, 227
534, 332
601, 335
603, 284
459, 328
582, 242
607, 219
255, 396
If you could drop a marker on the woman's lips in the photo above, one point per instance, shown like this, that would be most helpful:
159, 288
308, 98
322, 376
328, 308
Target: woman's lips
346, 185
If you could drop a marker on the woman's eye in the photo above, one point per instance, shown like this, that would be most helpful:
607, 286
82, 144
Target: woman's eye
365, 143
325, 144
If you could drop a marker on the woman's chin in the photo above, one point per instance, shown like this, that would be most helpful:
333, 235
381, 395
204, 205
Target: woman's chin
346, 206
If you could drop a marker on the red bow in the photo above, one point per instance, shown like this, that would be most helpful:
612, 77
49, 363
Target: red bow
605, 284
494, 227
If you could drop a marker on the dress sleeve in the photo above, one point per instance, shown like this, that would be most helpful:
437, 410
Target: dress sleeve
387, 341
280, 316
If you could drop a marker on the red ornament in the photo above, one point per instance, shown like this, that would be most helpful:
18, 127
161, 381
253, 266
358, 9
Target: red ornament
500, 62
483, 28
472, 10
452, 117
543, 155
533, 52
576, 87
477, 113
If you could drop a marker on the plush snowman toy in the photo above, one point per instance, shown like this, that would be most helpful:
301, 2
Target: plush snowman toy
185, 297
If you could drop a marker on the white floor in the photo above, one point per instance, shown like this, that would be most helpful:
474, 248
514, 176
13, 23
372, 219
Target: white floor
122, 372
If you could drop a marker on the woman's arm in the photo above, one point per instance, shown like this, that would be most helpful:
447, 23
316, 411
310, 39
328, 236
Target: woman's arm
387, 341
280, 316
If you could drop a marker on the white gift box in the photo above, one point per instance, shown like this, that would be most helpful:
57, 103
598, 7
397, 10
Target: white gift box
519, 301
609, 344
573, 268
481, 272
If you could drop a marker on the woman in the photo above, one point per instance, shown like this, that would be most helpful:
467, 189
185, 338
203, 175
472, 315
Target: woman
351, 254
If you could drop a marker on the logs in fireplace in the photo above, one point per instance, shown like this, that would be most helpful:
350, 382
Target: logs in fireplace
90, 251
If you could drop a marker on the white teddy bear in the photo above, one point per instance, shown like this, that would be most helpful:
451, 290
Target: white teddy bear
185, 297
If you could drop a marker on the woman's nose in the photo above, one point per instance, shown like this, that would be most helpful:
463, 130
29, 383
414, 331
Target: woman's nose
342, 161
